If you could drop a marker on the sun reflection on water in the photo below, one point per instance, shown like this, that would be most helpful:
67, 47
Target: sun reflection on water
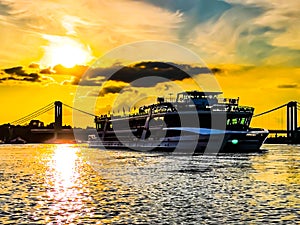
64, 186
64, 165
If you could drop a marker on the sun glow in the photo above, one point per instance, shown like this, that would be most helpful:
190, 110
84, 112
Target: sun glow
65, 51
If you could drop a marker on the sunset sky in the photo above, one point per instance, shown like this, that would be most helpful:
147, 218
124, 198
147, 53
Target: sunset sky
253, 46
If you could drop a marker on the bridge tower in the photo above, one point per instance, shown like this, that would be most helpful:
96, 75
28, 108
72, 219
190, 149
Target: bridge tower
291, 119
58, 115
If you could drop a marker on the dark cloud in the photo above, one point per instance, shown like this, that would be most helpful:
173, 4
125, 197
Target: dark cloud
32, 77
288, 86
216, 70
18, 74
192, 70
159, 71
88, 81
18, 70
149, 69
7, 78
111, 90
96, 76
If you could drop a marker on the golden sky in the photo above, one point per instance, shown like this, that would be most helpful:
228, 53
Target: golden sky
253, 46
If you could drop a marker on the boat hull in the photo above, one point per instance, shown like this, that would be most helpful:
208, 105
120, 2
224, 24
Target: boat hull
190, 144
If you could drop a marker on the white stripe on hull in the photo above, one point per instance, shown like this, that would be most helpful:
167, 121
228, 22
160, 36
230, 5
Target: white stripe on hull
251, 142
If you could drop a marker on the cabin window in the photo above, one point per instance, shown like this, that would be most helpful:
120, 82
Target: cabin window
243, 120
228, 122
247, 121
234, 121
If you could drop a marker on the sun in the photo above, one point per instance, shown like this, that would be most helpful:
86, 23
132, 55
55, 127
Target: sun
68, 56
65, 51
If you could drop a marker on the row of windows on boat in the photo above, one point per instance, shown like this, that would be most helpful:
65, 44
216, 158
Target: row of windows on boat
160, 122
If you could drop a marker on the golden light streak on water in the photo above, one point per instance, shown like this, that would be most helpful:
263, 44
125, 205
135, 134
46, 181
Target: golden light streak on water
280, 172
63, 163
64, 184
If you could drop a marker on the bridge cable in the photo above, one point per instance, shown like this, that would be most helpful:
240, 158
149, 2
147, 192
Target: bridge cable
33, 116
34, 113
271, 110
79, 110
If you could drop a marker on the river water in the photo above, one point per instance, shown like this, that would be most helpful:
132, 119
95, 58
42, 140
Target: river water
71, 184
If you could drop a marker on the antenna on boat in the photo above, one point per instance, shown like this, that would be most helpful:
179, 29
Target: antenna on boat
170, 99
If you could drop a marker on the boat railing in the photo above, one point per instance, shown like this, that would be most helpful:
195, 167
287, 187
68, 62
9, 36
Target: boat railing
231, 108
213, 108
212, 104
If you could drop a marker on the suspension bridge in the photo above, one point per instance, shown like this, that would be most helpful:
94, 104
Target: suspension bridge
281, 120
34, 130
58, 114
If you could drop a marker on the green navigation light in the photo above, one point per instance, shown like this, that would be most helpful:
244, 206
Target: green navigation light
235, 141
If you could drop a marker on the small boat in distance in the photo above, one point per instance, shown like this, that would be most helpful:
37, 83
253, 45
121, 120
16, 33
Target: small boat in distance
193, 122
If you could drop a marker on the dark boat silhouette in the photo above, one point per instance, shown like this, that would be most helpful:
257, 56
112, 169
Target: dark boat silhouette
195, 122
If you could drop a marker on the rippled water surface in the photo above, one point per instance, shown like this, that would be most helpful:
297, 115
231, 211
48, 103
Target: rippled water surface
71, 184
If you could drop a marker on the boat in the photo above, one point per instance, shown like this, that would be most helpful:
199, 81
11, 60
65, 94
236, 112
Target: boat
194, 122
